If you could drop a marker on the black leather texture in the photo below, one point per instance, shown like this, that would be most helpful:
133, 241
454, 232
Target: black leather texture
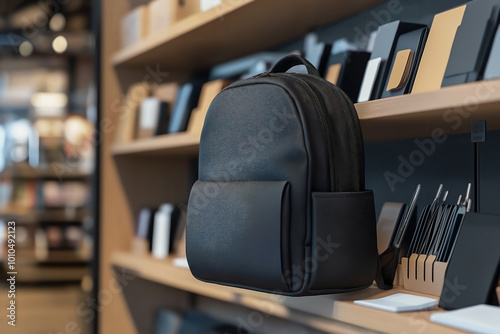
242, 225
268, 144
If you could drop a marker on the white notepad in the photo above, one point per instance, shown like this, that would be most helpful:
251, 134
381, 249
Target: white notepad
477, 319
399, 302
181, 262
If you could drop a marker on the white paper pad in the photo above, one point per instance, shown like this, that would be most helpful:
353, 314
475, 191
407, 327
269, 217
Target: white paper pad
181, 262
477, 319
399, 302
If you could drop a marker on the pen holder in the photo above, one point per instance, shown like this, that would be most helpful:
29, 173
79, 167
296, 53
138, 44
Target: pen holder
422, 273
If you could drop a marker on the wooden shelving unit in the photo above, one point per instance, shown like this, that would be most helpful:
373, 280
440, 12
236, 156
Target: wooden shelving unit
234, 31
320, 312
151, 171
180, 144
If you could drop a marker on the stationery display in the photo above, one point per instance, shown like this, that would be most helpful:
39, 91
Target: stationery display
433, 242
128, 111
369, 79
472, 42
437, 50
484, 319
395, 228
145, 223
186, 101
389, 218
135, 25
162, 13
383, 49
162, 231
143, 243
403, 69
153, 118
399, 302
346, 70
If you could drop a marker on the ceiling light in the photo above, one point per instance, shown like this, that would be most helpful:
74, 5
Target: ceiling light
60, 44
25, 49
57, 22
49, 100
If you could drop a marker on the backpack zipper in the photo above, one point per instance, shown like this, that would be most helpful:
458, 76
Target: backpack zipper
325, 125
351, 121
348, 111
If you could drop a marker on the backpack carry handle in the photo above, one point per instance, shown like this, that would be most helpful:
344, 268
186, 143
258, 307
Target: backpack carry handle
286, 63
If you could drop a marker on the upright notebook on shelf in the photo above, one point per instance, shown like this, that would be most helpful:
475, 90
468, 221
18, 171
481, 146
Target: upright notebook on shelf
346, 70
187, 100
472, 42
383, 49
477, 250
153, 118
405, 62
437, 50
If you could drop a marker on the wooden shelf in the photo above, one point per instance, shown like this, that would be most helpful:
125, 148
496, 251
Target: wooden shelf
234, 29
450, 110
320, 312
179, 144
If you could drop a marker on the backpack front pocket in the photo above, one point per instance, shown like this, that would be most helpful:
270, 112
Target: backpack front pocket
344, 248
238, 233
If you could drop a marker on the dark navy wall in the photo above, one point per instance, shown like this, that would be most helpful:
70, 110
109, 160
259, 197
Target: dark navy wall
451, 163
490, 173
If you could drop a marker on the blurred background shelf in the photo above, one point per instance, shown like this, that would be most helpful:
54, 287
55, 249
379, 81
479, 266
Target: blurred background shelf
179, 144
24, 215
35, 274
55, 257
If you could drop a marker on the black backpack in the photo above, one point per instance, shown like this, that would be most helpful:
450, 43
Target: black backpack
280, 204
